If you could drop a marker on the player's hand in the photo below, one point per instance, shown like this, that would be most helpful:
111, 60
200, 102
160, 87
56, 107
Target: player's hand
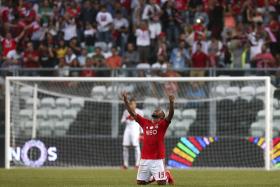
171, 98
124, 95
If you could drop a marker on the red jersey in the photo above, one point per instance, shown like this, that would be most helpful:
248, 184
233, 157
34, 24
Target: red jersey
30, 63
153, 143
199, 60
8, 45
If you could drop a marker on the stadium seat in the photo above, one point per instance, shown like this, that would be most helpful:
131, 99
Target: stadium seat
42, 114
257, 129
180, 129
187, 123
98, 92
169, 132
48, 103
28, 128
55, 115
189, 114
60, 128
177, 114
62, 103
26, 91
69, 116
151, 102
247, 93
261, 115
77, 103
260, 91
45, 128
29, 103
25, 114
46, 123
45, 132
219, 91
232, 92
109, 92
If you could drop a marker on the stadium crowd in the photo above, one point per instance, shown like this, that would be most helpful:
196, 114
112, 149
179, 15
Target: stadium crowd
142, 34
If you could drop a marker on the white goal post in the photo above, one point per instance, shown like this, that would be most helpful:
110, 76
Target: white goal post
222, 92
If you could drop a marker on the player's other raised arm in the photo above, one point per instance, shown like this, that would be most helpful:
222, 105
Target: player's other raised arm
129, 109
171, 108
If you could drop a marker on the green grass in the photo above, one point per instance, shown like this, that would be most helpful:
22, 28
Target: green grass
122, 178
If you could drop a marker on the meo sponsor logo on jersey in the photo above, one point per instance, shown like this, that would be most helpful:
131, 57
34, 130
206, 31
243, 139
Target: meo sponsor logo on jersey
151, 130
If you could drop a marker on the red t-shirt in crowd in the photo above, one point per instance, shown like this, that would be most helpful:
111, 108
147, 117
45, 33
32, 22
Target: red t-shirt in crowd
8, 45
153, 143
31, 63
199, 60
181, 5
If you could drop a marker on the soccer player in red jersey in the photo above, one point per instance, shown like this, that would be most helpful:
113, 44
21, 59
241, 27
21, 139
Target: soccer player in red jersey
151, 166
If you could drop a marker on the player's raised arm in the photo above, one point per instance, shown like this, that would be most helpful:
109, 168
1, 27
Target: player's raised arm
129, 109
171, 108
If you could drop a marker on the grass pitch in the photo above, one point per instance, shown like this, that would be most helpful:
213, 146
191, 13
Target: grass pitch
126, 178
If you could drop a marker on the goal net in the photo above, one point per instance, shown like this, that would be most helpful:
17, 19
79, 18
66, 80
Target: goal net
229, 122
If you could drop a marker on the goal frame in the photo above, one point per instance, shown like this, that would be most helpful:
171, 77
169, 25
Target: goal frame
266, 79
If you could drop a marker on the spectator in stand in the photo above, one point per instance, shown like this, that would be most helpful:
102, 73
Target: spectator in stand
137, 13
114, 61
214, 48
73, 9
200, 14
104, 21
75, 68
88, 12
120, 31
264, 59
180, 58
202, 42
256, 44
171, 21
46, 56
161, 64
88, 69
216, 18
12, 61
89, 35
199, 60
143, 42
45, 11
61, 49
9, 43
162, 47
199, 29
151, 14
62, 69
98, 61
131, 56
75, 46
83, 57
69, 57
69, 29
31, 59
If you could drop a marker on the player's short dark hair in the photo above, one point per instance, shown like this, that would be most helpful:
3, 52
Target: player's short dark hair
132, 99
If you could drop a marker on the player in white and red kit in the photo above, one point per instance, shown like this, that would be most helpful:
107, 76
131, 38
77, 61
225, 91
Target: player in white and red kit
131, 134
151, 166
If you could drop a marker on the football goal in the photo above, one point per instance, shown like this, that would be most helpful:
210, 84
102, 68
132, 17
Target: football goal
219, 122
